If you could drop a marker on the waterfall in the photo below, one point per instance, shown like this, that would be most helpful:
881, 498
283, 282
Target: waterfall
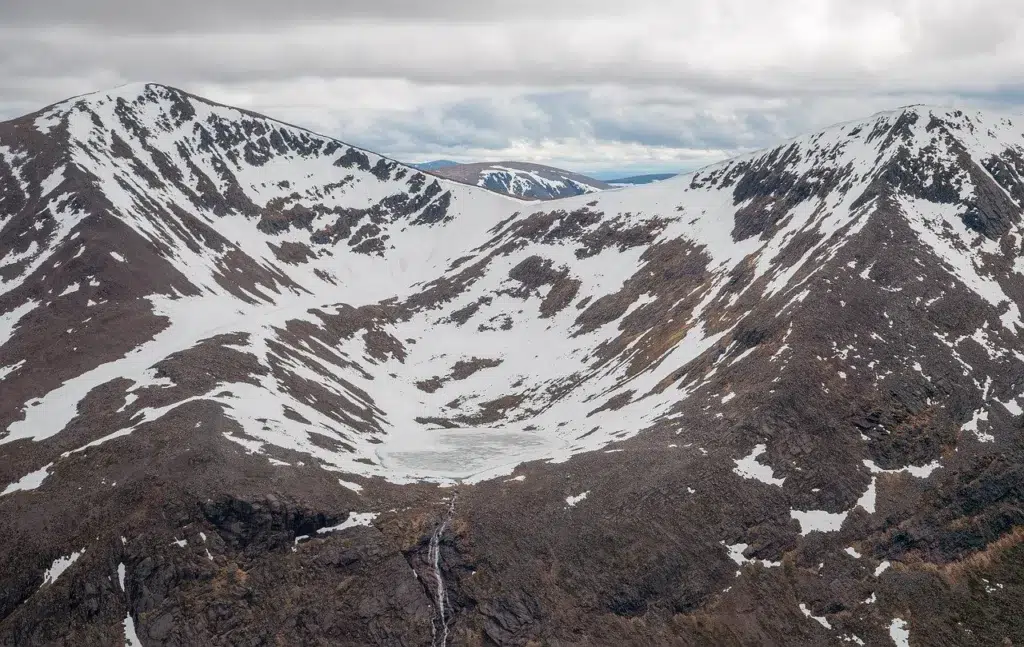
441, 596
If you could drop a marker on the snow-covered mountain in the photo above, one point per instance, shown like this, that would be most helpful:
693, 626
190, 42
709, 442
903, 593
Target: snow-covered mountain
522, 179
252, 375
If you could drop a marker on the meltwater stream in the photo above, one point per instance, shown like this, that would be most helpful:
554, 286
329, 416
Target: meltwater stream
439, 638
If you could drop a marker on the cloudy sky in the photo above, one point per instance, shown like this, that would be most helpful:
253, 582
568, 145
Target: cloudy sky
637, 85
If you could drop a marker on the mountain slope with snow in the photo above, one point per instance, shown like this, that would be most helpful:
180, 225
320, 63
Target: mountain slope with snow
278, 371
522, 179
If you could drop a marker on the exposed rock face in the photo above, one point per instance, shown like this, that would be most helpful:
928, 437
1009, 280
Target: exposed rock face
245, 371
522, 179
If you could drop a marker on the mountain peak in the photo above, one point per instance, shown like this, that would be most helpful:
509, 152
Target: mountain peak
256, 354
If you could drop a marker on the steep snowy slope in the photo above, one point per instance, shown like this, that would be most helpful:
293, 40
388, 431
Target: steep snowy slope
522, 179
757, 386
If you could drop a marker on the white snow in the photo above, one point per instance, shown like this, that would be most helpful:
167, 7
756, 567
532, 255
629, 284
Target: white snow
917, 471
9, 320
354, 519
922, 471
60, 565
519, 181
940, 227
882, 567
821, 621
120, 575
749, 468
99, 441
71, 289
852, 552
1012, 406
131, 639
52, 181
538, 353
899, 633
468, 454
736, 554
7, 370
571, 501
867, 500
30, 481
742, 356
355, 487
972, 426
818, 520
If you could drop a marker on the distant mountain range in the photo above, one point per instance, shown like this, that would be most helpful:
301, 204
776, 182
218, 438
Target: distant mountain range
641, 179
521, 179
433, 165
531, 181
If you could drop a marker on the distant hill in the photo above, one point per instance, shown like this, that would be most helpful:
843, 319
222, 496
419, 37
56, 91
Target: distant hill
522, 179
642, 179
433, 165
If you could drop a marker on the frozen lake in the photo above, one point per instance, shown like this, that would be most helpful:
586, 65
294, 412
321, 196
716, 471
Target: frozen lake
465, 453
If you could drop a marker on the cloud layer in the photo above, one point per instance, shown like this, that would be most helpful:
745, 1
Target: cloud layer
643, 85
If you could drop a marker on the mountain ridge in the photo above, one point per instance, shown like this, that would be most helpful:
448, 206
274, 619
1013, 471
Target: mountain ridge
524, 180
266, 363
434, 164
641, 179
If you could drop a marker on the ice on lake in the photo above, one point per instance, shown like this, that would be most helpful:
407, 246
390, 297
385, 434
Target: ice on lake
465, 453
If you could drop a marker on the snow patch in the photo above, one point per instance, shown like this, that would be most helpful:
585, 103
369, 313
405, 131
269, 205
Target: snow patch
820, 620
899, 633
355, 487
917, 471
571, 501
131, 639
972, 426
60, 565
354, 519
736, 554
867, 500
30, 481
7, 370
818, 520
749, 468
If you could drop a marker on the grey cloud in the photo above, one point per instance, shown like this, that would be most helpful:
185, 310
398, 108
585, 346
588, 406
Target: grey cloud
156, 16
587, 81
